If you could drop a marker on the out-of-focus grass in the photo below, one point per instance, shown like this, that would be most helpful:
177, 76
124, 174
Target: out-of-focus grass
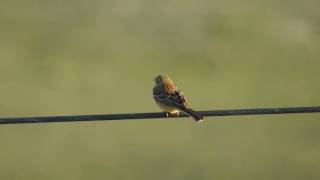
90, 57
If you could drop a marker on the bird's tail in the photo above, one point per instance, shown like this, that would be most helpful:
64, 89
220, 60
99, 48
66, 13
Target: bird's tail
196, 116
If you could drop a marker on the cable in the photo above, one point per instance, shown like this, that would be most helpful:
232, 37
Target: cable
157, 115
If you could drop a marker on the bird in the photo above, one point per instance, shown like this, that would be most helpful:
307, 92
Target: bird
169, 98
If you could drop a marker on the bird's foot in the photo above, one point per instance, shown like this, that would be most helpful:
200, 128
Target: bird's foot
170, 114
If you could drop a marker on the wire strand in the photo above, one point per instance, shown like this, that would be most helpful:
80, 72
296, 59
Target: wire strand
157, 115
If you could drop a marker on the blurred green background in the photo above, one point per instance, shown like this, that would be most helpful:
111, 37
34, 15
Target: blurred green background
92, 57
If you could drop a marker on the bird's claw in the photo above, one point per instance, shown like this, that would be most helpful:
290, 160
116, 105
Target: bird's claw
172, 115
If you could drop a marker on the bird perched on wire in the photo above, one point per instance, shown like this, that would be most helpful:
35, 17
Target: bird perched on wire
171, 99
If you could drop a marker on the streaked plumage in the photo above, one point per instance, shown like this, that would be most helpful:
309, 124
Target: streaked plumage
171, 99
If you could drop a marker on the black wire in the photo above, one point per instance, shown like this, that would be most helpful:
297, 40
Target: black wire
156, 115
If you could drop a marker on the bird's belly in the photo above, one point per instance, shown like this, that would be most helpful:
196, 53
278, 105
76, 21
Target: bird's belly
170, 109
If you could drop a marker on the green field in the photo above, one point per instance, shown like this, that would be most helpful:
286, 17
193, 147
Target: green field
100, 57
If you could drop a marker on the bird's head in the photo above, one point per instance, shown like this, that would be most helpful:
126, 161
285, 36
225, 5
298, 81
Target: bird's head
163, 80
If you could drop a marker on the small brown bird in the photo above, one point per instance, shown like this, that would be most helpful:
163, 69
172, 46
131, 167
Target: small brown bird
171, 99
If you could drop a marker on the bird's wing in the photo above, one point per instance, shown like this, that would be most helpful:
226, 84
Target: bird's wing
175, 99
